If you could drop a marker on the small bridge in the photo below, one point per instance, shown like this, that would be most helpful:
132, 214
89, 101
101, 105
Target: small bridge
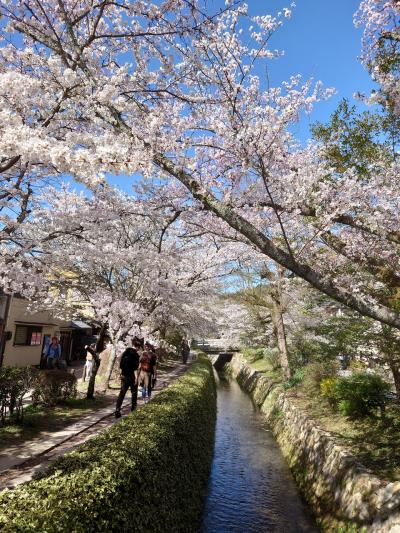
219, 351
220, 360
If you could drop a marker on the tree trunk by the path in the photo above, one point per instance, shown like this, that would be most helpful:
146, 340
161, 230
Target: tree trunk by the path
96, 364
92, 379
277, 311
279, 326
110, 366
394, 367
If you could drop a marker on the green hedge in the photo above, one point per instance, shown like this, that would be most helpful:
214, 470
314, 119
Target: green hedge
147, 473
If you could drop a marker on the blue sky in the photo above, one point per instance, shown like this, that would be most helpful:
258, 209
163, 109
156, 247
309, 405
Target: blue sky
319, 41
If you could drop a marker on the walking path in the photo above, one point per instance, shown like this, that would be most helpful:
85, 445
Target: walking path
19, 464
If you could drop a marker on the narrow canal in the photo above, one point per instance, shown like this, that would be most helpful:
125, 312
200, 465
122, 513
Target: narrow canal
251, 489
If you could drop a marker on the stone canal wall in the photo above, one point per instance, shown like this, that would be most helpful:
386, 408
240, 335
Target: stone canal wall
344, 495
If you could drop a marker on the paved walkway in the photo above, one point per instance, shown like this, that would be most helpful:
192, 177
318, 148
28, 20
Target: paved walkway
19, 463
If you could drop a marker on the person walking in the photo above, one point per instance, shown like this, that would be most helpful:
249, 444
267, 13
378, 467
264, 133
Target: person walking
185, 350
147, 370
53, 354
129, 364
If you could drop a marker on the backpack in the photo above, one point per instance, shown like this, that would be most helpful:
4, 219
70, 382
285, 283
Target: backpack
128, 363
146, 362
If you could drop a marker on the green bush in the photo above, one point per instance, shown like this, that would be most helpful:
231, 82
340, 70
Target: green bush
295, 380
358, 395
328, 390
53, 386
253, 354
15, 382
272, 358
315, 373
147, 473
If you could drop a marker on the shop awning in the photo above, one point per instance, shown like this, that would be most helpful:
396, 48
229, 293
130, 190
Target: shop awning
78, 324
33, 323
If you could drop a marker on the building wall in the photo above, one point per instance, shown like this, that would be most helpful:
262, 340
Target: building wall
27, 355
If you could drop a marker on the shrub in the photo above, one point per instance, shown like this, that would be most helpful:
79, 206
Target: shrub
271, 356
328, 390
253, 354
358, 395
356, 365
147, 473
297, 378
52, 386
15, 382
316, 372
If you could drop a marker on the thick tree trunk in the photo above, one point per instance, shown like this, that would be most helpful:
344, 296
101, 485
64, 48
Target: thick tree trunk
96, 363
110, 367
284, 258
279, 326
394, 367
92, 379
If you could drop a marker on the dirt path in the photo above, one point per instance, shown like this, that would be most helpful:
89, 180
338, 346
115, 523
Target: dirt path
70, 437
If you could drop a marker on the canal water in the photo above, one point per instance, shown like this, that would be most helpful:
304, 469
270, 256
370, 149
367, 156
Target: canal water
251, 489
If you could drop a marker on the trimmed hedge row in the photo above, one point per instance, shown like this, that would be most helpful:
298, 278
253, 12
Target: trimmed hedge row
147, 473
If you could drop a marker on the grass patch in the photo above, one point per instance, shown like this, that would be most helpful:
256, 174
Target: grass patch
256, 359
261, 365
252, 354
39, 420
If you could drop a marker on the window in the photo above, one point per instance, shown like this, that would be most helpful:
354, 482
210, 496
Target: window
28, 335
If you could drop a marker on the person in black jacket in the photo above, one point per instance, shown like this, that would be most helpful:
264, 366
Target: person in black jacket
129, 364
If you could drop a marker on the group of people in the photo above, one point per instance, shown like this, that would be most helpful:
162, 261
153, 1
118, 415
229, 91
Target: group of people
138, 367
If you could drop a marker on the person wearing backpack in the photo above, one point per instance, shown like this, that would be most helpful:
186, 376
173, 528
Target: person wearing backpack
147, 370
129, 364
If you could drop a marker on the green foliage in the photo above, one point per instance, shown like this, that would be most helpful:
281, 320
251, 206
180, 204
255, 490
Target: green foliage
53, 386
303, 350
317, 372
344, 335
328, 390
147, 473
359, 394
15, 382
355, 140
271, 356
295, 380
174, 337
253, 354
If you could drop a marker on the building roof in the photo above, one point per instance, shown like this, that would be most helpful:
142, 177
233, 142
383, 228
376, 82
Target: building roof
78, 324
34, 323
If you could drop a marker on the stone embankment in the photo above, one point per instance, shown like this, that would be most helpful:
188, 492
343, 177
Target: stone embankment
344, 495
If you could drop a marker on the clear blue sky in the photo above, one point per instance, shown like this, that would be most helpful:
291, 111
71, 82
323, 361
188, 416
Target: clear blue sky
319, 41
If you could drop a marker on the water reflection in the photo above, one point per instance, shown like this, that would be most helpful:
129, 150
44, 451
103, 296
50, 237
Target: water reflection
250, 488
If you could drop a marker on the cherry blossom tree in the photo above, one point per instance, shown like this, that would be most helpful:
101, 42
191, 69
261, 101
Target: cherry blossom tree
170, 92
381, 47
123, 264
